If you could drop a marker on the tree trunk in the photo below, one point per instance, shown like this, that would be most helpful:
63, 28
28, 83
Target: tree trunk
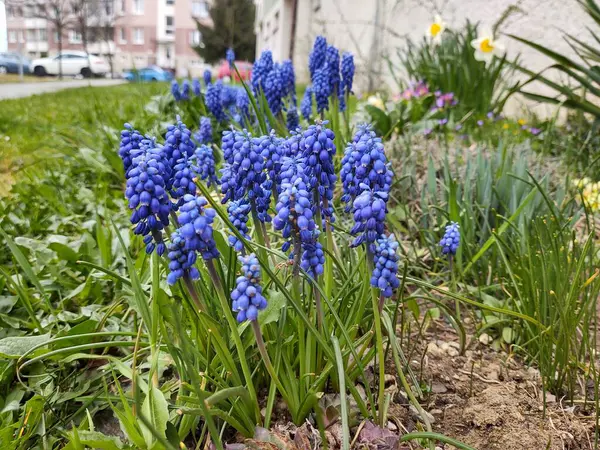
60, 38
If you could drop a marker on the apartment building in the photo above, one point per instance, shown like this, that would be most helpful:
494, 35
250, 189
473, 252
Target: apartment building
135, 33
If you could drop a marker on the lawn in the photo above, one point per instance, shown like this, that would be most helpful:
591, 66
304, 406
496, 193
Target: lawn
195, 266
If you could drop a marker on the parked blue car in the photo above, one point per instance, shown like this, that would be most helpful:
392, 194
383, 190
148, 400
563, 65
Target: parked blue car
150, 73
9, 63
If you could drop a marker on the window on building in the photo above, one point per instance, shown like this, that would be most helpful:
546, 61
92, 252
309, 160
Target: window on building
27, 11
195, 38
12, 37
21, 37
122, 35
199, 8
123, 6
10, 12
170, 28
276, 23
138, 36
170, 2
316, 4
31, 35
138, 6
56, 36
108, 8
74, 37
43, 34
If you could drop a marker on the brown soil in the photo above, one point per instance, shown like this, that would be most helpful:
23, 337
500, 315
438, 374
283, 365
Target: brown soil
490, 400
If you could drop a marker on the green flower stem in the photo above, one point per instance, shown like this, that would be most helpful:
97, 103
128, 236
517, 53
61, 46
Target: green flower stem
379, 346
328, 261
453, 285
198, 301
258, 230
267, 361
381, 302
210, 265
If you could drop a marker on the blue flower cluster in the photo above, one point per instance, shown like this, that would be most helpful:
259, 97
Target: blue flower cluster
322, 88
185, 90
369, 216
318, 150
129, 146
288, 78
307, 104
183, 180
333, 65
196, 87
207, 77
183, 93
196, 219
213, 100
292, 119
385, 273
242, 103
181, 259
260, 69
230, 57
317, 56
294, 214
347, 73
271, 150
178, 145
238, 211
175, 90
273, 87
203, 164
247, 295
451, 239
204, 133
244, 175
364, 162
313, 257
148, 197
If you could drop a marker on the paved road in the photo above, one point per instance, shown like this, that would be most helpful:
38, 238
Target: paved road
17, 90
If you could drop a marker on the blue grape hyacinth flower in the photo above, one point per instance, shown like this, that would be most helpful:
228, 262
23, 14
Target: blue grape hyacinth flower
317, 56
347, 69
196, 88
369, 210
181, 259
185, 90
273, 87
230, 57
288, 78
175, 90
183, 180
313, 257
203, 164
238, 211
318, 149
260, 70
322, 88
385, 272
307, 104
204, 134
364, 162
451, 239
178, 145
214, 101
129, 146
292, 119
207, 77
196, 219
148, 197
247, 298
333, 65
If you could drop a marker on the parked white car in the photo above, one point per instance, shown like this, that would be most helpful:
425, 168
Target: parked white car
73, 63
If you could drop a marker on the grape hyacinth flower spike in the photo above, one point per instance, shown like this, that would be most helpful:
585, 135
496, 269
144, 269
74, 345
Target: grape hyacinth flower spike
203, 164
196, 219
385, 272
196, 88
181, 259
207, 76
214, 101
230, 57
185, 90
247, 298
317, 56
204, 133
451, 240
148, 197
129, 146
175, 90
238, 211
306, 105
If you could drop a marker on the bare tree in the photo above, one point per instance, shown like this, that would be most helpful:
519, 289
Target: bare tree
87, 15
106, 30
56, 12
